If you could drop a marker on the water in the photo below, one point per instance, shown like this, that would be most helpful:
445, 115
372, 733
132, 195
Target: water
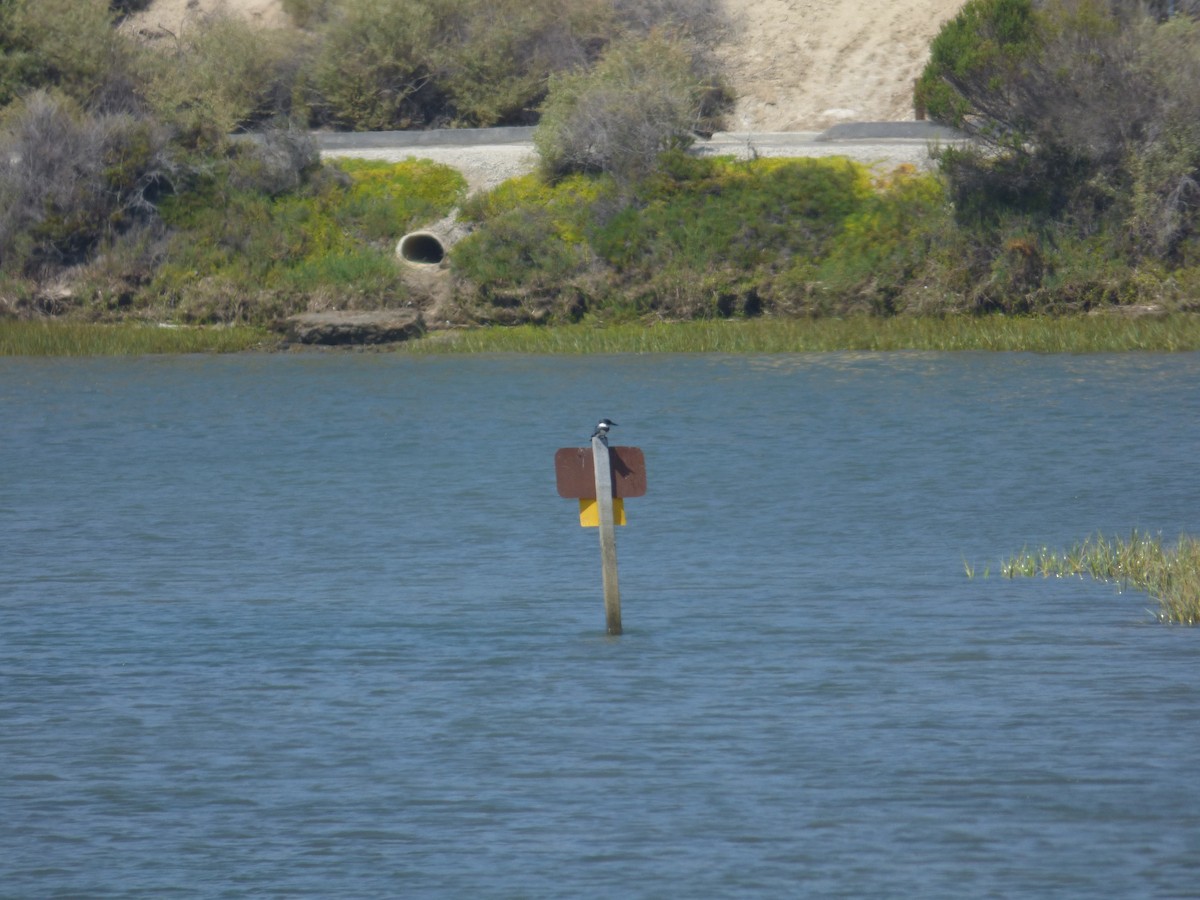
319, 625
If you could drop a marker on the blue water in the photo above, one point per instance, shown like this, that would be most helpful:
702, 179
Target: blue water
320, 626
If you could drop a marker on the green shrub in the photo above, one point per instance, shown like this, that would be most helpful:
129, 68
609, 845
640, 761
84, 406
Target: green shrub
701, 19
702, 237
373, 70
66, 45
982, 44
493, 61
81, 180
239, 254
714, 214
128, 7
529, 256
387, 64
222, 75
308, 13
385, 200
570, 204
646, 96
1088, 120
520, 248
884, 245
1164, 163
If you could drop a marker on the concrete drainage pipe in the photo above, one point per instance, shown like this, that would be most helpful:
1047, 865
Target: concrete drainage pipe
423, 248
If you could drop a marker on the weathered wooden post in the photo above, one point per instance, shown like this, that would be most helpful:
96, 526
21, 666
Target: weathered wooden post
608, 534
600, 477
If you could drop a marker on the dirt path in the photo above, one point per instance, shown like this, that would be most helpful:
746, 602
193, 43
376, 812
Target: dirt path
797, 65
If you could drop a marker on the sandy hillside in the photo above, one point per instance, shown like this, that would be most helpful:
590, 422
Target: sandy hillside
172, 15
797, 65
802, 65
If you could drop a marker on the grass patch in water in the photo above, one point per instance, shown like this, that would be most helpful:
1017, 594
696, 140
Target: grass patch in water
1170, 574
52, 338
1083, 334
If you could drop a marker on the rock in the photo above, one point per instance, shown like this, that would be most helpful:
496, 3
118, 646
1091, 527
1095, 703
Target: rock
383, 326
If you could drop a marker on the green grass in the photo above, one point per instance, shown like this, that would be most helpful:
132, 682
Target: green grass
50, 338
1170, 574
1091, 334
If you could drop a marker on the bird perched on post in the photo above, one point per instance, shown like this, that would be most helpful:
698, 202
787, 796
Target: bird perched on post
602, 430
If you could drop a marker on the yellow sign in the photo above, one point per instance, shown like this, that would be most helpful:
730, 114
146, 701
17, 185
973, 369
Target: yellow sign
589, 512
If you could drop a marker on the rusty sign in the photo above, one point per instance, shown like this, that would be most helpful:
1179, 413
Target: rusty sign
576, 472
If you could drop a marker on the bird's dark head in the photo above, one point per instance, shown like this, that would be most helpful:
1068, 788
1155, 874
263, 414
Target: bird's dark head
605, 424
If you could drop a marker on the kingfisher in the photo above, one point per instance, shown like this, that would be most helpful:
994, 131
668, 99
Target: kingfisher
602, 429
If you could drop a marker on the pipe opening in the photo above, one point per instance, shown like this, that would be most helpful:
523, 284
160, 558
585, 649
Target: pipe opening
422, 247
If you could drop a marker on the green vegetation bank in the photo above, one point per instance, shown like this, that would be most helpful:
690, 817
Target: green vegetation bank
123, 198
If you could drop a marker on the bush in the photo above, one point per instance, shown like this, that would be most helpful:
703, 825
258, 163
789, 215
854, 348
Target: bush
531, 239
372, 70
1088, 118
308, 13
984, 44
493, 63
67, 45
1164, 161
278, 162
388, 64
1063, 83
238, 253
128, 7
703, 238
221, 75
882, 251
646, 96
79, 180
700, 19
384, 200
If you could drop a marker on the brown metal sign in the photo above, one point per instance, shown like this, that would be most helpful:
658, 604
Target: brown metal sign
576, 472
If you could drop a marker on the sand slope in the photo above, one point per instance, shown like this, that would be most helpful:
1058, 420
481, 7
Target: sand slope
173, 15
802, 65
796, 65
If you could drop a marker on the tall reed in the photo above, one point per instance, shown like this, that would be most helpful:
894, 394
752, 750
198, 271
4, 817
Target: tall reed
1104, 334
52, 338
1170, 574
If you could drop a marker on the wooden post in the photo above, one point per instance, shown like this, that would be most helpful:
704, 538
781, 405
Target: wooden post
608, 534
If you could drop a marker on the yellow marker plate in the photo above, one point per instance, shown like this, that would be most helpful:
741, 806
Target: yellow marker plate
589, 512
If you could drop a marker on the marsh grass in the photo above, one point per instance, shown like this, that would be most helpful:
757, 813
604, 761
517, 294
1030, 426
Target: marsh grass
1101, 334
1093, 334
51, 338
1170, 574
